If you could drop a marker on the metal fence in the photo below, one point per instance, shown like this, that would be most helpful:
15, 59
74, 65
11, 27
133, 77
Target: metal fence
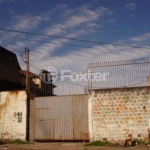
120, 74
71, 84
101, 75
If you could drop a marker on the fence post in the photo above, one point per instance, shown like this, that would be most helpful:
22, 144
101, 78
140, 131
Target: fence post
148, 78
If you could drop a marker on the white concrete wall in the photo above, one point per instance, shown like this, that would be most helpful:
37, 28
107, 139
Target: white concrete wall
13, 110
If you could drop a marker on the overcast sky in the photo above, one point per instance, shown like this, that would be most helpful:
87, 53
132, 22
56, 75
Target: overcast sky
109, 21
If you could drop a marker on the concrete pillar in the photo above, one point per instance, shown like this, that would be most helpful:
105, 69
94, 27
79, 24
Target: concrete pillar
31, 121
148, 79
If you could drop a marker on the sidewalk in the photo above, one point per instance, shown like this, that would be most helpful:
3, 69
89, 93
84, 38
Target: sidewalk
66, 146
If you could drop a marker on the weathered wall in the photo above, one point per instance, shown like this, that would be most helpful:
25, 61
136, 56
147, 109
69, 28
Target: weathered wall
32, 121
13, 115
119, 114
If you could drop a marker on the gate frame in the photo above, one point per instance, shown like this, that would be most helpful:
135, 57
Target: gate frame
32, 119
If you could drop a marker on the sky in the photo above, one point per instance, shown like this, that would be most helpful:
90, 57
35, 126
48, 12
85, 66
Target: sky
104, 21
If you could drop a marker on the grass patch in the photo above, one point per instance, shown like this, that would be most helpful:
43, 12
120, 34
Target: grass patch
17, 141
101, 143
148, 142
1, 142
140, 142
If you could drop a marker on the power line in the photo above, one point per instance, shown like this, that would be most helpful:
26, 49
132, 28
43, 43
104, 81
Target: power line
136, 83
34, 67
85, 85
16, 50
147, 62
103, 87
93, 87
52, 42
119, 64
73, 39
103, 66
54, 75
59, 78
22, 64
72, 45
73, 83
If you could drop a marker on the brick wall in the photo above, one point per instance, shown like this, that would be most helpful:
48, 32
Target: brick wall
13, 115
119, 114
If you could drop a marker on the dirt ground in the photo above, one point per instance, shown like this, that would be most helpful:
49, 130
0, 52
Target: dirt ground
66, 146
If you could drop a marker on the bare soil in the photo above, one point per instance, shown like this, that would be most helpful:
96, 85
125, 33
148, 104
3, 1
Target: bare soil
66, 146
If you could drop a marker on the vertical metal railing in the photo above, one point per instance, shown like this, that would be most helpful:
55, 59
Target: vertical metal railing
71, 84
128, 73
111, 74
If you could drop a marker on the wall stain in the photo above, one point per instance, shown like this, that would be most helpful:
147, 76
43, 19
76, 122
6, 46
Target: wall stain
7, 100
4, 105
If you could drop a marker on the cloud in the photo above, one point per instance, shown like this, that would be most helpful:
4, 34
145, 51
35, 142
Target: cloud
76, 23
4, 1
72, 24
112, 20
16, 46
80, 16
84, 16
23, 23
77, 60
70, 20
93, 25
130, 6
103, 11
142, 38
132, 15
28, 22
61, 6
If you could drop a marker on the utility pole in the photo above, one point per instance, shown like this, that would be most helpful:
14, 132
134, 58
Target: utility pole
28, 92
27, 69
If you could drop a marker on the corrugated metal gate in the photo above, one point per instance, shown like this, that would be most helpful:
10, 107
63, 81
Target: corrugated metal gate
61, 118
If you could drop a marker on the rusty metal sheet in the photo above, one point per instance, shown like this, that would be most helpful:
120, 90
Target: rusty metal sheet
61, 118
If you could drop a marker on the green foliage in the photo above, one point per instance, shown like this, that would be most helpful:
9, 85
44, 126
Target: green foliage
17, 141
1, 142
140, 142
148, 142
101, 143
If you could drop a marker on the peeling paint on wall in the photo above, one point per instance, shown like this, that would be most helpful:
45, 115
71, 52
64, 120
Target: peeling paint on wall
13, 115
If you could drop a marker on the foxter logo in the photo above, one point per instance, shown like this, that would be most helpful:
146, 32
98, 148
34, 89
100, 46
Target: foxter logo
48, 75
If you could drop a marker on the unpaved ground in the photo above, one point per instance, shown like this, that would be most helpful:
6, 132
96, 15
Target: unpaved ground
65, 146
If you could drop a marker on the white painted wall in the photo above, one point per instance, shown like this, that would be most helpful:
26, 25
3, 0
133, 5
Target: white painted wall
90, 121
13, 110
